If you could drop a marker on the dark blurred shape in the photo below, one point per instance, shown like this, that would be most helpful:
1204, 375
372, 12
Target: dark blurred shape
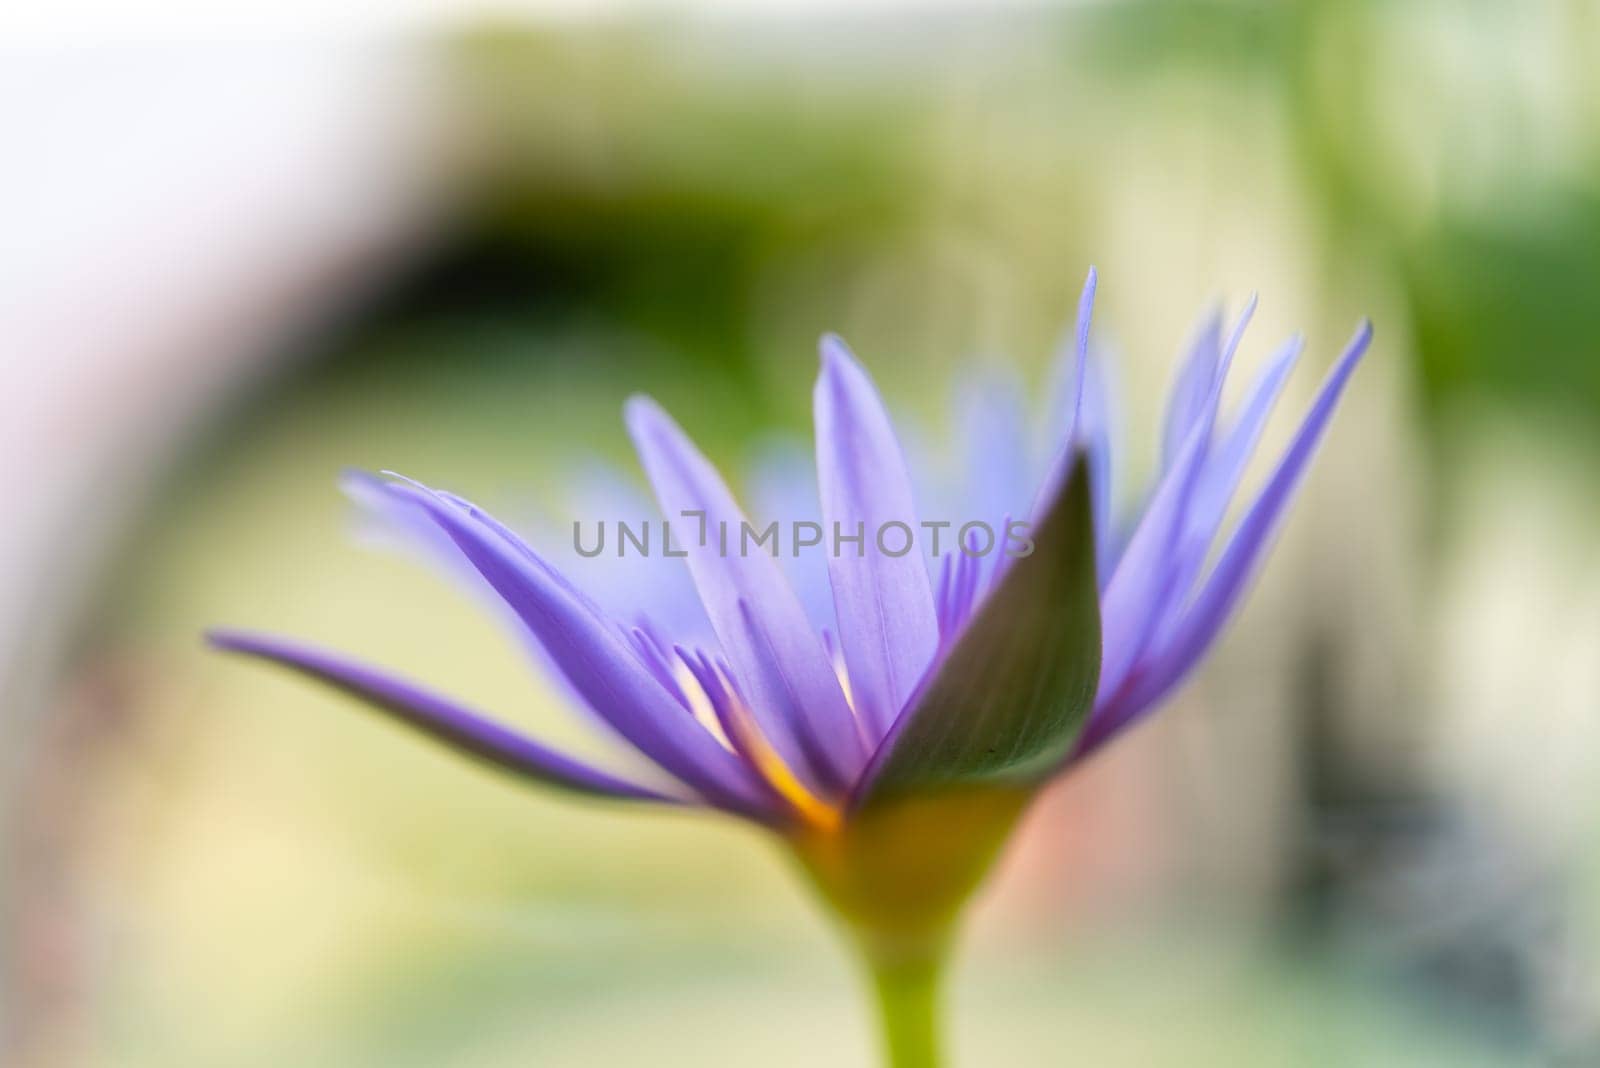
612, 181
1403, 888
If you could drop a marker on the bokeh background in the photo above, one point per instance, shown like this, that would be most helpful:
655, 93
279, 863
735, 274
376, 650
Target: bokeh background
240, 257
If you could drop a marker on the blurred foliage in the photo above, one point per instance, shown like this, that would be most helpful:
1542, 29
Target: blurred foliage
645, 177
1500, 289
621, 182
1504, 308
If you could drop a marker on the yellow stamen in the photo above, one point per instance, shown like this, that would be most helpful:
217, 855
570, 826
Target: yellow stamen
815, 811
750, 742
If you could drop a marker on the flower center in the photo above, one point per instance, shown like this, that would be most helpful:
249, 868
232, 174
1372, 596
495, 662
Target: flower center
726, 717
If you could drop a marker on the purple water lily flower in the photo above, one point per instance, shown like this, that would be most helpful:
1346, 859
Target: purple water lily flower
894, 748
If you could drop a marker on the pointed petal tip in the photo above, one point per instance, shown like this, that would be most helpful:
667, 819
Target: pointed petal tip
1091, 283
251, 643
1248, 312
841, 372
221, 638
367, 488
834, 352
641, 408
458, 727
648, 423
358, 476
1354, 351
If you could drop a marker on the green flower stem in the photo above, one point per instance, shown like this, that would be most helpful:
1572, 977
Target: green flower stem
897, 876
908, 1004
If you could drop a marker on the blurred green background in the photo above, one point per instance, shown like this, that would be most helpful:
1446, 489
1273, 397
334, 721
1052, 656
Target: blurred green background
1368, 834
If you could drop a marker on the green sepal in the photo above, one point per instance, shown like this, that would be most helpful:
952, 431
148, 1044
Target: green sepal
1007, 703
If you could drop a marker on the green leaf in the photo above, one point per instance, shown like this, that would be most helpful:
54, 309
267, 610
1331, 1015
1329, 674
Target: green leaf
1009, 701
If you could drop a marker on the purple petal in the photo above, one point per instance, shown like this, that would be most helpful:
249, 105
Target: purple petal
1191, 388
767, 675
726, 707
395, 522
1072, 403
1152, 575
1081, 342
1084, 400
820, 743
991, 413
1199, 384
783, 488
595, 657
1147, 567
443, 720
884, 604
1235, 336
627, 585
1228, 460
942, 599
1094, 423
1219, 478
393, 518
1214, 604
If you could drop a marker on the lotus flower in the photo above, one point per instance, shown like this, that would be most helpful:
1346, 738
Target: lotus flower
892, 752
